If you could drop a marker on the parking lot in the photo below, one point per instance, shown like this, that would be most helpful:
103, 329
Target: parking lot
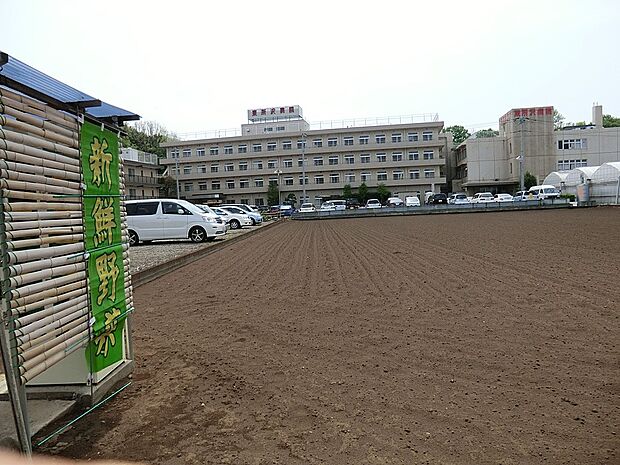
390, 340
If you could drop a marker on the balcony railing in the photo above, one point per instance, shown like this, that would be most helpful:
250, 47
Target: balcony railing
148, 180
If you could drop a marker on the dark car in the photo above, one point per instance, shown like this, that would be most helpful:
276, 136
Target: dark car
438, 198
352, 203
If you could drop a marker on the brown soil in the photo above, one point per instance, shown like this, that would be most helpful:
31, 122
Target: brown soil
474, 338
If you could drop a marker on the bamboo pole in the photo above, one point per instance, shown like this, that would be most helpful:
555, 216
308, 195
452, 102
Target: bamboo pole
28, 365
19, 225
70, 178
34, 232
71, 305
27, 278
33, 141
35, 331
30, 187
22, 195
16, 172
9, 96
62, 293
23, 295
27, 243
37, 151
33, 131
13, 105
51, 332
42, 215
37, 370
16, 155
34, 353
32, 207
22, 256
22, 269
39, 122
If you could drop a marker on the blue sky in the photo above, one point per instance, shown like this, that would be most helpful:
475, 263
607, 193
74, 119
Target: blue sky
196, 66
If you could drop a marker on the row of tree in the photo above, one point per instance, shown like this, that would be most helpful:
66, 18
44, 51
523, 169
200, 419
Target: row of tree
362, 194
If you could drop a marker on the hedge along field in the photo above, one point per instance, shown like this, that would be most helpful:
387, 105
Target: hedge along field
475, 338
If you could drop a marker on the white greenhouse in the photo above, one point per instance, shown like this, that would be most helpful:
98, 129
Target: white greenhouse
556, 178
606, 183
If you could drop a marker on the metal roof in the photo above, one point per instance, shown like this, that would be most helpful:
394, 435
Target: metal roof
32, 82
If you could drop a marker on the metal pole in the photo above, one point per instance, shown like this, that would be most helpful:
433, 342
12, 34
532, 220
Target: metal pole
303, 165
177, 173
618, 190
521, 158
17, 391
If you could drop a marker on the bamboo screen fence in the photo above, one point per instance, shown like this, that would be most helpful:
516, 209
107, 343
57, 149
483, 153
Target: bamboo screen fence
46, 305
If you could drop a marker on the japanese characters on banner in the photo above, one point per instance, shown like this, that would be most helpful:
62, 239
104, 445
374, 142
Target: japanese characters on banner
102, 226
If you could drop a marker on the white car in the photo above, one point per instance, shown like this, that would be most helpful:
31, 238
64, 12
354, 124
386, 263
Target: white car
234, 216
412, 201
460, 199
254, 215
327, 206
483, 197
503, 198
545, 192
373, 203
394, 202
306, 208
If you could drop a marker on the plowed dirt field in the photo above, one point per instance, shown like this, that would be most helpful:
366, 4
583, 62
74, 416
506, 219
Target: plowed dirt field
469, 339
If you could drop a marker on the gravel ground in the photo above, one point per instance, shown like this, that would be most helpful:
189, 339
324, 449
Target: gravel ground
144, 256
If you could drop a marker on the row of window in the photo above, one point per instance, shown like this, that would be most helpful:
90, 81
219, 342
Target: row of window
334, 178
331, 160
567, 165
572, 144
301, 144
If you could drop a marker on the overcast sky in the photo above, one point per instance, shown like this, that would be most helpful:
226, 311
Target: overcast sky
197, 66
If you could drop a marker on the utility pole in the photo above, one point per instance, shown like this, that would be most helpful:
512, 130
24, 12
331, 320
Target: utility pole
522, 157
303, 165
176, 163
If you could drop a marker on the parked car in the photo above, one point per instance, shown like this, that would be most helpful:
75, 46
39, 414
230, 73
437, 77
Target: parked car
307, 208
286, 210
483, 197
545, 192
394, 202
373, 203
437, 198
159, 219
254, 215
522, 196
412, 201
460, 199
503, 198
327, 206
238, 217
339, 204
352, 203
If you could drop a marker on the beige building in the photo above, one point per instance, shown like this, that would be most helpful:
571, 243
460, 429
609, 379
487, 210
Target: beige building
142, 173
407, 158
493, 163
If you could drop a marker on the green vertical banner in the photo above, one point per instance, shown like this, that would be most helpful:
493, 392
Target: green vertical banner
102, 227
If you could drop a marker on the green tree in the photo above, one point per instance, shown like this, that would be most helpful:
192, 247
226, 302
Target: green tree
382, 192
291, 199
273, 194
486, 133
529, 180
362, 193
459, 134
610, 121
347, 193
168, 187
558, 119
147, 136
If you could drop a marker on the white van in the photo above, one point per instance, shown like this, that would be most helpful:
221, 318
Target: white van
158, 219
544, 191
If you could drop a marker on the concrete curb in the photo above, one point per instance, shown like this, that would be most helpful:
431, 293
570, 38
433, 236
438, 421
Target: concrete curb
148, 275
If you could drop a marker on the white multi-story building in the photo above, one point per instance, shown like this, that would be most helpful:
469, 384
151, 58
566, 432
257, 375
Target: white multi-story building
278, 146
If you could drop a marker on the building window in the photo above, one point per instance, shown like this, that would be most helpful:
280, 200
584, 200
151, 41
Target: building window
397, 137
258, 182
243, 166
228, 150
349, 159
566, 165
272, 164
414, 155
572, 144
348, 140
300, 162
427, 135
397, 156
202, 169
257, 164
398, 175
381, 157
200, 152
318, 161
269, 129
244, 201
202, 186
287, 145
288, 181
332, 142
187, 153
365, 177
230, 184
349, 177
215, 168
214, 150
259, 201
229, 167
429, 173
288, 163
301, 144
412, 137
257, 147
333, 159
271, 146
364, 140
301, 180
365, 158
244, 183
414, 174
334, 178
187, 169
242, 149
318, 179
188, 187
380, 139
382, 176
428, 154
317, 143
215, 185
273, 181
174, 153
280, 128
